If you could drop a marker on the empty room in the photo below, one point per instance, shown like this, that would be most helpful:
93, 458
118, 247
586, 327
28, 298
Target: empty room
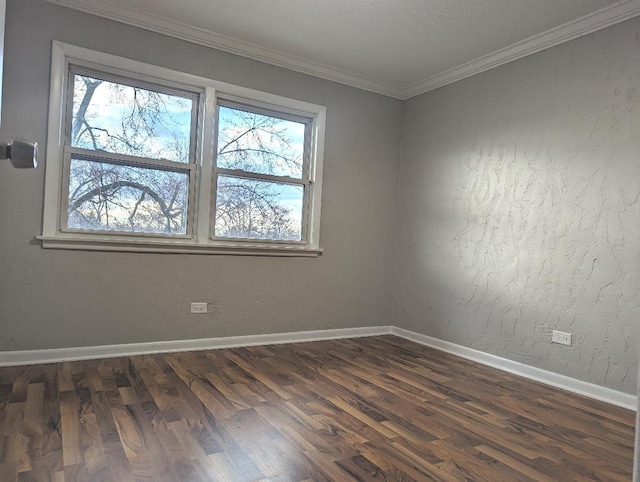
319, 240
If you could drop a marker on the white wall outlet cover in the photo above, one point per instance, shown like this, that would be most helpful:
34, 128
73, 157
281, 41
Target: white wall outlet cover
561, 338
198, 307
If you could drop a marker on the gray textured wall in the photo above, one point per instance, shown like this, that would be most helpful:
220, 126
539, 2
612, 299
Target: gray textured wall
519, 210
53, 298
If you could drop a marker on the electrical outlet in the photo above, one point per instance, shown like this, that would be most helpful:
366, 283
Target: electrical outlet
198, 307
561, 337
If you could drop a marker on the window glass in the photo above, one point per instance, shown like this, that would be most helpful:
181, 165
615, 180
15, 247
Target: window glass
255, 209
111, 197
260, 143
119, 118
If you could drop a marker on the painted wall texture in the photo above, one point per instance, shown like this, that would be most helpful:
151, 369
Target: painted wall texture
519, 210
53, 298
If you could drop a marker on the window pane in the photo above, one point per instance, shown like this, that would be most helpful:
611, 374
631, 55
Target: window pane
129, 120
248, 208
259, 143
111, 197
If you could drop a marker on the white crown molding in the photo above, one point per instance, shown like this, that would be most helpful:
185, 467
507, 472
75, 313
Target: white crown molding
56, 355
593, 22
120, 12
597, 392
117, 10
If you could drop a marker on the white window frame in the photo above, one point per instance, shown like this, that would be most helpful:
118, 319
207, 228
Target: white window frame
70, 151
203, 172
304, 181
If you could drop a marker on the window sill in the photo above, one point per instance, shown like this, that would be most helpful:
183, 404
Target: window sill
101, 243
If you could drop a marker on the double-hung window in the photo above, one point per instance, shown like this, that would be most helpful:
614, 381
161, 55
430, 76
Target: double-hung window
128, 158
261, 177
142, 158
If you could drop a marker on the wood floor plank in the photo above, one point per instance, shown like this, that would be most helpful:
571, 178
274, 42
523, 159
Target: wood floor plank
17, 452
523, 468
378, 408
9, 471
72, 450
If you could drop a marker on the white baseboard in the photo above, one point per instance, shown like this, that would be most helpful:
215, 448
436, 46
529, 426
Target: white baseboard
55, 355
569, 384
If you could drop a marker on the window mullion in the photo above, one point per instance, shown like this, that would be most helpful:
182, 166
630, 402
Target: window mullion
262, 177
206, 153
64, 204
125, 160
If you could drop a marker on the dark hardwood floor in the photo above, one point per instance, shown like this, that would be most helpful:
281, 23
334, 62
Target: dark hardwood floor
379, 408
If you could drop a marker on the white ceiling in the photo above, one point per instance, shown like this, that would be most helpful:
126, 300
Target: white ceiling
396, 47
